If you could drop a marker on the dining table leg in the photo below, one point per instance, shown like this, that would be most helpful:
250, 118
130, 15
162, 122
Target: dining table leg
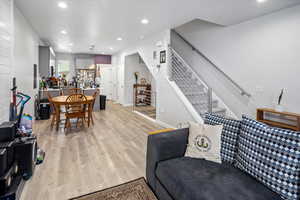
57, 116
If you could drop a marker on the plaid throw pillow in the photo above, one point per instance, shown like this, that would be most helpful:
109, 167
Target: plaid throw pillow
272, 156
230, 132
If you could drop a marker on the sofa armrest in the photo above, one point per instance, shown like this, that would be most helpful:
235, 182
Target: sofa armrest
164, 146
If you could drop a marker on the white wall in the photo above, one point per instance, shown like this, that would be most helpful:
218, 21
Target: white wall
84, 61
133, 65
68, 57
18, 54
25, 56
6, 51
169, 108
262, 55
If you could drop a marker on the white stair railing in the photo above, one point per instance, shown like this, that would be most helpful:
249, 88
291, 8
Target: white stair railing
196, 91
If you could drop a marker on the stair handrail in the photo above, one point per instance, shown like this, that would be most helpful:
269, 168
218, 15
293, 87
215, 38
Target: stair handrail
189, 67
209, 89
242, 91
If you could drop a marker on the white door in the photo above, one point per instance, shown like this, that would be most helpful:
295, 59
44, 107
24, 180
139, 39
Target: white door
106, 82
115, 72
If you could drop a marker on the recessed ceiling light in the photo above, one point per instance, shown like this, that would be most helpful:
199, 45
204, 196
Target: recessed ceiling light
261, 1
119, 39
64, 32
62, 4
145, 21
70, 44
111, 48
2, 24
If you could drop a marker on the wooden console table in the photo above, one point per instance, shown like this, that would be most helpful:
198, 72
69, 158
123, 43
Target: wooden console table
293, 117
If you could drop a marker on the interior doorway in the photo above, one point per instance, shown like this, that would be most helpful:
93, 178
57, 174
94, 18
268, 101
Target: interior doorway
140, 86
106, 85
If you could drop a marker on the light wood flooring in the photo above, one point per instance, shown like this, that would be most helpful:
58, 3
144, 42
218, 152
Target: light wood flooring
109, 153
149, 111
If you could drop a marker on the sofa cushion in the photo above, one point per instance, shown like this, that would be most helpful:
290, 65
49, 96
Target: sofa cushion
204, 142
198, 179
229, 138
271, 155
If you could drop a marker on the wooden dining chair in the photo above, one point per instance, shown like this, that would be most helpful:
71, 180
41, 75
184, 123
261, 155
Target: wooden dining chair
52, 109
76, 108
93, 103
69, 91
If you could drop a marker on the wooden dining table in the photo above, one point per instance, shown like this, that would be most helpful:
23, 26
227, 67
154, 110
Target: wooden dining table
62, 101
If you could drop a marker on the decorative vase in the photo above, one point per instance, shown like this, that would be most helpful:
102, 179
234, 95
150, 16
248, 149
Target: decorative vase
279, 108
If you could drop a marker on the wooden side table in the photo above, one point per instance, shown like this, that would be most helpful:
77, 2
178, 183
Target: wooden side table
291, 117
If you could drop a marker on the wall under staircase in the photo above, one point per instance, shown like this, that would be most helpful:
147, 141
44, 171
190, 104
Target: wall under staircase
170, 108
226, 92
199, 94
250, 53
261, 55
181, 94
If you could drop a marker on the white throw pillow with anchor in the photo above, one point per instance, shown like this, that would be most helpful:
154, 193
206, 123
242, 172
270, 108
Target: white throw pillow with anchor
204, 142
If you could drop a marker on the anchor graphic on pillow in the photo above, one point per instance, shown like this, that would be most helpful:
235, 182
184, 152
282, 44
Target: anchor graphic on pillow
202, 143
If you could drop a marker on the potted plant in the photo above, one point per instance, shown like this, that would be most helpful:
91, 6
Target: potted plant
136, 75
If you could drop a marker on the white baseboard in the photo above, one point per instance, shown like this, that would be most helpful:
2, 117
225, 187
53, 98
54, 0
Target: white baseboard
163, 124
127, 105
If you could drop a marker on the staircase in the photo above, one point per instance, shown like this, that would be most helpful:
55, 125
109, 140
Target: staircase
198, 93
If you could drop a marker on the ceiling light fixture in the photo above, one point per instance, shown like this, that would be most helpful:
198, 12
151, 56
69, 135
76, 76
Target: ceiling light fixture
145, 21
111, 48
261, 1
119, 39
62, 4
70, 44
64, 32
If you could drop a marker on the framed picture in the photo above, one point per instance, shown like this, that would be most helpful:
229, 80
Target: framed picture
163, 57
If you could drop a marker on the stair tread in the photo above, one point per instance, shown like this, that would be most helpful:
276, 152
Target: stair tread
192, 87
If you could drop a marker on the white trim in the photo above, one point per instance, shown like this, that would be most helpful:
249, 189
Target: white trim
165, 125
127, 105
186, 102
145, 116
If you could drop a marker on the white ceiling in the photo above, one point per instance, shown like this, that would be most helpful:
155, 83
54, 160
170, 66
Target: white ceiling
101, 22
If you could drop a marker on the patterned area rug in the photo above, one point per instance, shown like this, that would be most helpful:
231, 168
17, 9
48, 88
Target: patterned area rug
133, 190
